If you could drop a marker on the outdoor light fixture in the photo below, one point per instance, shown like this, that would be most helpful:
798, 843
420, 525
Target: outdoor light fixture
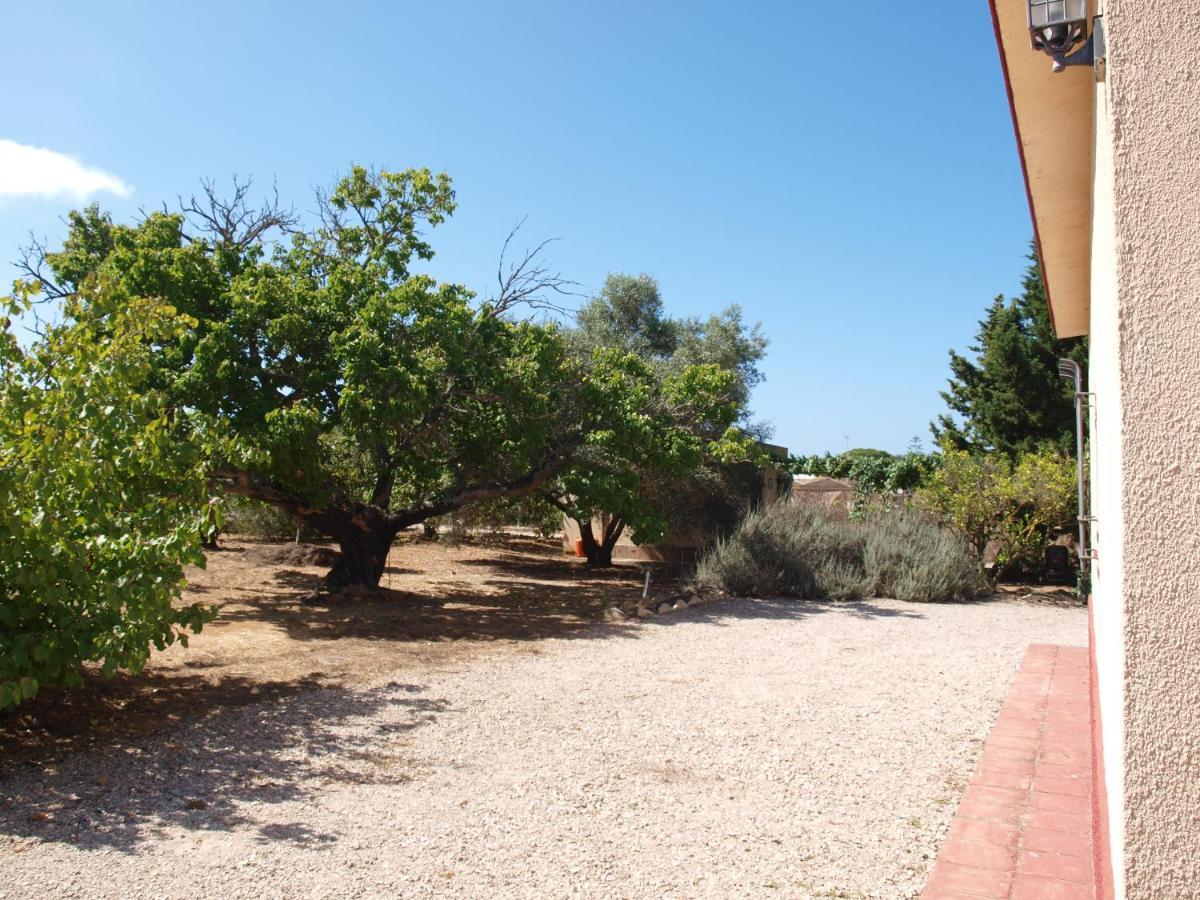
1058, 27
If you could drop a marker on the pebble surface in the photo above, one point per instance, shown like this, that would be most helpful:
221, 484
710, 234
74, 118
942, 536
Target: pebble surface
745, 749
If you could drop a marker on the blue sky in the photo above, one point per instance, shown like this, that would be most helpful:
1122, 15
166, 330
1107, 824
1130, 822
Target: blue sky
850, 180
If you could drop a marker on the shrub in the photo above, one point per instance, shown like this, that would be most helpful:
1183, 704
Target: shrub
806, 552
102, 499
908, 557
788, 550
987, 497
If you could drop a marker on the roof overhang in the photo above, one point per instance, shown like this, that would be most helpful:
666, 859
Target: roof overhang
1053, 117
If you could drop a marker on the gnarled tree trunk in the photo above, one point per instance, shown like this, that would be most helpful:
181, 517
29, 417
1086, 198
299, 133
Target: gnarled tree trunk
365, 531
599, 553
364, 535
363, 559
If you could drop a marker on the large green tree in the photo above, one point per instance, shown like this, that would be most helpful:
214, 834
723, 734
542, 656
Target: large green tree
1008, 396
364, 397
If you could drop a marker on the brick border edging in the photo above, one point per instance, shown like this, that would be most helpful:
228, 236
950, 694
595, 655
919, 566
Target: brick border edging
1101, 846
1023, 828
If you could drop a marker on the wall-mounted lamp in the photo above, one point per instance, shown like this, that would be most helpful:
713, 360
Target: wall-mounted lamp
1058, 28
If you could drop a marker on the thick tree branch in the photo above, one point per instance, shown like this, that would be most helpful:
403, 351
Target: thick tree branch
475, 493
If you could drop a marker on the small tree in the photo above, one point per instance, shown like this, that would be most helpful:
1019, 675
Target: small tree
696, 419
987, 497
102, 493
626, 477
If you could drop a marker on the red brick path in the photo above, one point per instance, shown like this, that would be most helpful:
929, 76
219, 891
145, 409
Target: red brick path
1023, 829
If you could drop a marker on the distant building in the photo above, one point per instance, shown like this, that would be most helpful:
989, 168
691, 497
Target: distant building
819, 490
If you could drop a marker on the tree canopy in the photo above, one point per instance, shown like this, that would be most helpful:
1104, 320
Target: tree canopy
1009, 396
363, 397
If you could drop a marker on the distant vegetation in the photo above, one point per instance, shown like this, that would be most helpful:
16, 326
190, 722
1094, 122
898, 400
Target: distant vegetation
875, 473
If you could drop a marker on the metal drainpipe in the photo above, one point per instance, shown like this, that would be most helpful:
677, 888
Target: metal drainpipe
1071, 370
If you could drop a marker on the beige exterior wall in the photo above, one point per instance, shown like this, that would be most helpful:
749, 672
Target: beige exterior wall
1107, 537
1152, 99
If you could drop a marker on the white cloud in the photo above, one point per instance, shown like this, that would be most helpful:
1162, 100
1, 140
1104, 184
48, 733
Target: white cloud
36, 172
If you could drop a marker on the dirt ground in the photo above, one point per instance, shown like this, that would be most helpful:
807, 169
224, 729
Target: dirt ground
440, 605
474, 732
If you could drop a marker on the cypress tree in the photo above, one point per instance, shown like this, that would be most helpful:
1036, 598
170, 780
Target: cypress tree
1009, 397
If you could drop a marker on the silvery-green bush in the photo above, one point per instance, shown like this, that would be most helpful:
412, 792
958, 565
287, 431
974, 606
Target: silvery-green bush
806, 552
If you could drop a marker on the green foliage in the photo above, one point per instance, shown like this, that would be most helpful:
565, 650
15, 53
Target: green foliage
695, 379
1010, 397
628, 314
365, 398
103, 499
1020, 505
874, 473
908, 557
253, 518
626, 471
796, 550
494, 515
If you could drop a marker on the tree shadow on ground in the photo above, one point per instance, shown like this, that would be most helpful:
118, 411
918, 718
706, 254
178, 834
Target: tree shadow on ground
217, 774
269, 646
511, 589
507, 596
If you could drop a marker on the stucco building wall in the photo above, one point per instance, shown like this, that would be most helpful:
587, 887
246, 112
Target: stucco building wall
1153, 103
1107, 533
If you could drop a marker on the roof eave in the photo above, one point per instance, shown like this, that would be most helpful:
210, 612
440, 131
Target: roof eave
1052, 117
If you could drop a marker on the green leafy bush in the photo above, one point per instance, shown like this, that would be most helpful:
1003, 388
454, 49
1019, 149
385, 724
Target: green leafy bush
988, 497
102, 500
802, 551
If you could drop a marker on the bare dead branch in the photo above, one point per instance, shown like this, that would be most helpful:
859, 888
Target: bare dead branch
32, 265
232, 221
529, 282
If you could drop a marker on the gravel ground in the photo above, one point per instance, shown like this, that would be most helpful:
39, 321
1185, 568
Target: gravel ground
747, 749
